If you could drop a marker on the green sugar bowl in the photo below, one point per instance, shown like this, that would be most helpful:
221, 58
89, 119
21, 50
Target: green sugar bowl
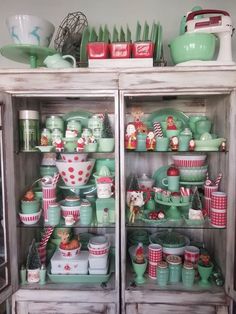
30, 207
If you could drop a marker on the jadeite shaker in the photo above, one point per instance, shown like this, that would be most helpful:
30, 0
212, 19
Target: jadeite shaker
162, 274
86, 213
188, 274
175, 268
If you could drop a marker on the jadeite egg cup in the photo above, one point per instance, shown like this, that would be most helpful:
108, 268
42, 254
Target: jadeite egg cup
139, 270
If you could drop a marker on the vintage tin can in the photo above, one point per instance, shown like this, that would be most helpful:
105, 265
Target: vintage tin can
29, 129
162, 274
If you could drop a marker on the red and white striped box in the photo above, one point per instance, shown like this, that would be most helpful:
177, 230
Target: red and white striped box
46, 203
49, 192
218, 218
219, 200
154, 253
208, 189
152, 270
207, 205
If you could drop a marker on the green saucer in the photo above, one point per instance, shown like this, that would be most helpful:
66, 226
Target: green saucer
30, 54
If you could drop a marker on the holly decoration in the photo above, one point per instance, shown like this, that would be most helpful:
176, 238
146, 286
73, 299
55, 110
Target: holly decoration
107, 131
33, 259
132, 184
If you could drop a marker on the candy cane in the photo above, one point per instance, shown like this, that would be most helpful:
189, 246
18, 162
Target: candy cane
218, 179
47, 233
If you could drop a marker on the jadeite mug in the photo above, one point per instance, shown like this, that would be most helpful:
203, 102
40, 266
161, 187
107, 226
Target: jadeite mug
57, 61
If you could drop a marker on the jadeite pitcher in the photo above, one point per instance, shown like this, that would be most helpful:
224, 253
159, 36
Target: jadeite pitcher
57, 61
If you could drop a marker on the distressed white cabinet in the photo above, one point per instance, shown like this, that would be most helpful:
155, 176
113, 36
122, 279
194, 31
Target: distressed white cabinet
204, 90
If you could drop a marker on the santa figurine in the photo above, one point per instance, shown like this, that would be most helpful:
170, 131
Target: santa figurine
80, 145
191, 146
131, 137
174, 143
139, 254
150, 141
59, 145
170, 123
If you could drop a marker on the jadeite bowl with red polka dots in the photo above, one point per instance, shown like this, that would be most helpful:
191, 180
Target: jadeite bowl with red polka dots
74, 157
75, 173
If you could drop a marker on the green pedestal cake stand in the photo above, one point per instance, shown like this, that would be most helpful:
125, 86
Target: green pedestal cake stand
30, 54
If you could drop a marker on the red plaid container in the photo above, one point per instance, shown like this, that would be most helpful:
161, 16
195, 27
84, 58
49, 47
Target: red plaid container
46, 203
219, 200
191, 254
152, 270
154, 253
49, 192
207, 205
218, 218
208, 189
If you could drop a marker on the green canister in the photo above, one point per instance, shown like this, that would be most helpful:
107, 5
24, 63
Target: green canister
55, 122
29, 130
175, 268
188, 274
162, 274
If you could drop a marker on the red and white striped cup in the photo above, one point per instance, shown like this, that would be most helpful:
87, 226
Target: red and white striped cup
219, 200
152, 270
218, 218
49, 191
191, 254
208, 189
46, 203
154, 253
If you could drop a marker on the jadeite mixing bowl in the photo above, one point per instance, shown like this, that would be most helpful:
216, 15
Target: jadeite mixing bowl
193, 46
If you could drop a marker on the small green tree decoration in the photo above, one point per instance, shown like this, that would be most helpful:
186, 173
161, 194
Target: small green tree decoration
33, 259
107, 131
132, 183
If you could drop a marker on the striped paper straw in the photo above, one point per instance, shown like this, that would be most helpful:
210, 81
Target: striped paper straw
157, 129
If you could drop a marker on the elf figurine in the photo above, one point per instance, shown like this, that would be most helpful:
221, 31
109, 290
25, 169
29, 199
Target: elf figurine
131, 137
150, 141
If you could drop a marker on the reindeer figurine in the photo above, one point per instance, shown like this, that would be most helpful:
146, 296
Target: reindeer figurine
67, 244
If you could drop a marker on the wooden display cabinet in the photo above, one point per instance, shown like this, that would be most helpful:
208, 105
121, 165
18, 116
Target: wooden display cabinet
201, 90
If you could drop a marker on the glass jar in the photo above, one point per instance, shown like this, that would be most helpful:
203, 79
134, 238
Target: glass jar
55, 122
162, 274
54, 214
174, 263
94, 123
188, 274
46, 138
86, 213
29, 129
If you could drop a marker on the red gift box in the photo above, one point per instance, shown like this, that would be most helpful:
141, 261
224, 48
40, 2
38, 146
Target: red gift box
120, 50
98, 50
143, 49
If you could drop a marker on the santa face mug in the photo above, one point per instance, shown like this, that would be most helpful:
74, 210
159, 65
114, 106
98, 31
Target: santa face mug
104, 190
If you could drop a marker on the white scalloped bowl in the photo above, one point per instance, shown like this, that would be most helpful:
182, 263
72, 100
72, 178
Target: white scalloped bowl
30, 30
75, 173
30, 219
79, 157
189, 160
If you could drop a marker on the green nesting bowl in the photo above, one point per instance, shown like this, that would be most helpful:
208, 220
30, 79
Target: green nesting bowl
193, 46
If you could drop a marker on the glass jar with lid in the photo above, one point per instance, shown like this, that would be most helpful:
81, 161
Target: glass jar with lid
55, 122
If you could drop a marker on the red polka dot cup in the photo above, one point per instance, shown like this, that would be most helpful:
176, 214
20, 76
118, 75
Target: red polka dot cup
75, 173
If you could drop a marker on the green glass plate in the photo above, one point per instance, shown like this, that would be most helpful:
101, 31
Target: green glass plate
29, 54
191, 183
158, 42
159, 175
162, 115
171, 203
154, 222
83, 47
81, 116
